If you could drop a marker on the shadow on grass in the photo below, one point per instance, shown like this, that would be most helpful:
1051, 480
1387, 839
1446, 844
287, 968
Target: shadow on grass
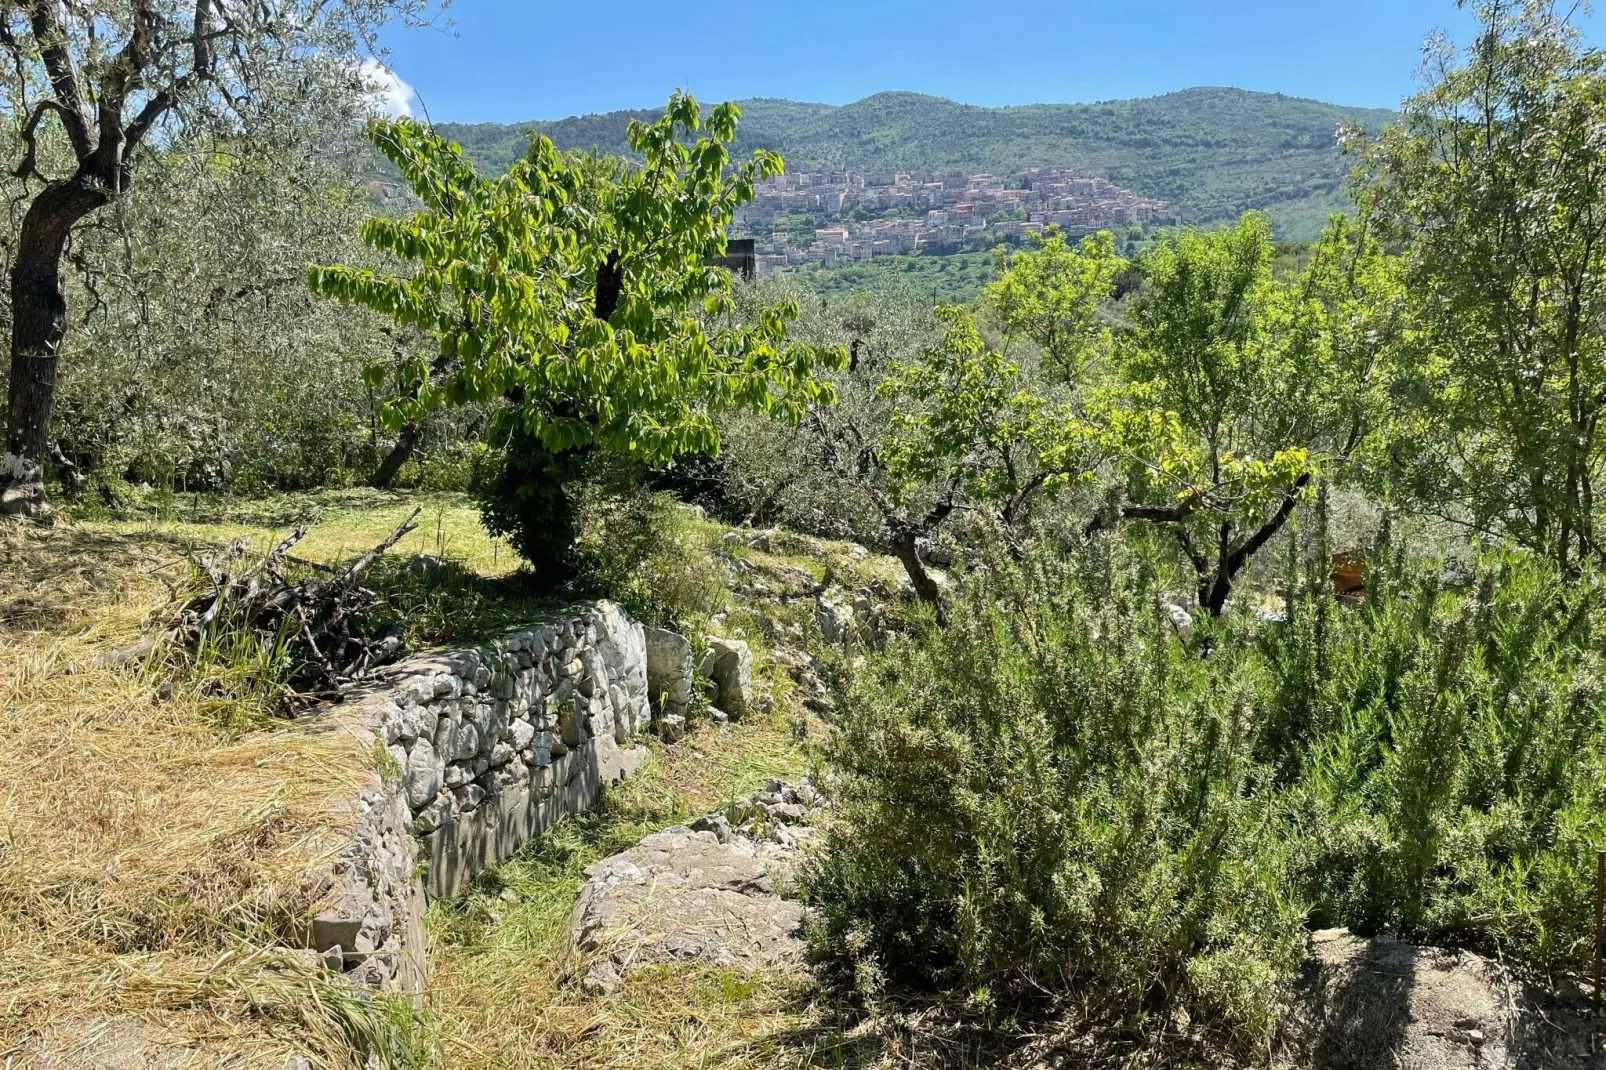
441, 601
50, 576
916, 1031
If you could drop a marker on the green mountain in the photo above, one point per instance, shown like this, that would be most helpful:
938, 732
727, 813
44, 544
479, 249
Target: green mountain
1214, 152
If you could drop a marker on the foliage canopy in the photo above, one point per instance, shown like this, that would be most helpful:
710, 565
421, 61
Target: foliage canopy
579, 291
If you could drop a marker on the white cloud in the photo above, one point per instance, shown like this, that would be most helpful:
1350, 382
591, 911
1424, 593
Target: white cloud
388, 94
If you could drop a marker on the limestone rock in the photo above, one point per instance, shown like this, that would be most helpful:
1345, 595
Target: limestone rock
833, 618
729, 664
424, 771
671, 727
621, 645
669, 673
681, 895
707, 892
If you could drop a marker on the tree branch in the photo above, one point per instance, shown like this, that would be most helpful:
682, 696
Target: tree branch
202, 68
29, 165
1235, 560
45, 19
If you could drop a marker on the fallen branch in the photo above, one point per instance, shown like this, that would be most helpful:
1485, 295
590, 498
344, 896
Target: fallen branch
324, 621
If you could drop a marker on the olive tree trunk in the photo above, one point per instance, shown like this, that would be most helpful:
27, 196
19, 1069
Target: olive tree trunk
38, 322
406, 443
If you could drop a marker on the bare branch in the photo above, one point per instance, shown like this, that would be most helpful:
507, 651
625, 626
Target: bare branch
361, 564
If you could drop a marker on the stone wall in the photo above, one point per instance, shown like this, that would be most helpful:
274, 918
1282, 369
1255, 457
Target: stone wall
483, 749
372, 927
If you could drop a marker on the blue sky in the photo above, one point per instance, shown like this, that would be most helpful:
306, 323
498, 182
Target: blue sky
511, 60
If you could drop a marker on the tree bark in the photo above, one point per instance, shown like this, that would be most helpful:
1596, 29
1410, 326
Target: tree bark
1232, 562
902, 540
38, 322
406, 442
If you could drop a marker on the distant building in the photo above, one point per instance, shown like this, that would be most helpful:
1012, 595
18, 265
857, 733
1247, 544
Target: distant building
741, 257
938, 211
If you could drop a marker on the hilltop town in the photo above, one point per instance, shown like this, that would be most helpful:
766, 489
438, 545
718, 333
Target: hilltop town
929, 211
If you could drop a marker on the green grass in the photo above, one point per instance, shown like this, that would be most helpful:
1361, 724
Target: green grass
348, 522
502, 988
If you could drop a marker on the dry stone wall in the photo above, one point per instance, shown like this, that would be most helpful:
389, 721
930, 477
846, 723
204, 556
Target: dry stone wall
494, 744
372, 928
482, 749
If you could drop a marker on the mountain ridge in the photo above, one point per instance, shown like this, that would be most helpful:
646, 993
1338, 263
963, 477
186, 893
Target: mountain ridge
1214, 151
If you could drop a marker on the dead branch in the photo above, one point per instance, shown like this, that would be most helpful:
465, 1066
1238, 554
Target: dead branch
324, 619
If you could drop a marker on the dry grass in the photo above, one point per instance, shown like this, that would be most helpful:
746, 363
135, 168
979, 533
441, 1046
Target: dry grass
154, 854
148, 853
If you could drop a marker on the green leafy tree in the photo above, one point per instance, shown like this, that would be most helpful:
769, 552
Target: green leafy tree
579, 293
1051, 294
934, 430
1495, 179
965, 417
1252, 385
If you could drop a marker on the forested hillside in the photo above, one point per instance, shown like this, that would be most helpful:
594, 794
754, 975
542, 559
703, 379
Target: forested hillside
1216, 152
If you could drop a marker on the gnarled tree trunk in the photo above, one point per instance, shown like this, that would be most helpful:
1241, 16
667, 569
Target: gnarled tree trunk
38, 322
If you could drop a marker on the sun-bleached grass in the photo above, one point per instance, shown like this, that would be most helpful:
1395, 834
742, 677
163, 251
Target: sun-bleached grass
153, 852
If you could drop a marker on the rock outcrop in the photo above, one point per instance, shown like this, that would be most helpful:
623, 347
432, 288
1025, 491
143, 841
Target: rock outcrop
712, 892
1381, 1004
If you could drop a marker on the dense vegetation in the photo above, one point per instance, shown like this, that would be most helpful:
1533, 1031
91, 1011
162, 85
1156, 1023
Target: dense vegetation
1120, 744
955, 278
1058, 790
1214, 152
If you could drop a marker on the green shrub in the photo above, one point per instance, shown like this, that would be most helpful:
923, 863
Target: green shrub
450, 467
1056, 791
644, 550
1455, 777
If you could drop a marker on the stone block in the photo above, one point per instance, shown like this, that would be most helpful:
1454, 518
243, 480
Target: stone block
423, 774
728, 663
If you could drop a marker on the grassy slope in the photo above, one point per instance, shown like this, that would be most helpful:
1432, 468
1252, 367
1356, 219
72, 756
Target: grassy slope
1215, 152
151, 850
503, 992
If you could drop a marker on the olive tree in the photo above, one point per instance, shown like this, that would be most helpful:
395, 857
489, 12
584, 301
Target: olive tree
93, 85
933, 424
199, 359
